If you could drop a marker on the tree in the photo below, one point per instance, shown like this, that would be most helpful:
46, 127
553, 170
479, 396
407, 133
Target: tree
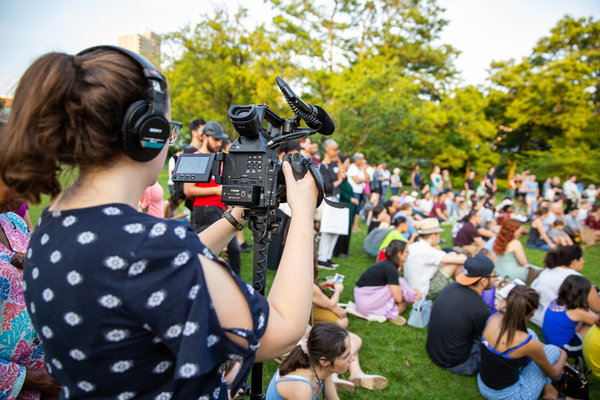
549, 103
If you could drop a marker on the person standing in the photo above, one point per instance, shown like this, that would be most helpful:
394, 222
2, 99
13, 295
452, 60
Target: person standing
470, 185
385, 178
489, 182
208, 207
396, 182
415, 179
437, 186
357, 177
332, 179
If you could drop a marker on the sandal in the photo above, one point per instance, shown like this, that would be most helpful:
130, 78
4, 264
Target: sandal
370, 382
342, 385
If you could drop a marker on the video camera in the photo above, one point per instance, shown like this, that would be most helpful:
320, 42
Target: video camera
251, 172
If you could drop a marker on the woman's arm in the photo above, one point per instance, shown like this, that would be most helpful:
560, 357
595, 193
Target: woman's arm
537, 224
217, 235
583, 315
321, 300
329, 389
396, 293
535, 350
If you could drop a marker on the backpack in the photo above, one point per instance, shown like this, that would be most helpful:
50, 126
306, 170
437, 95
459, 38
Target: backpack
374, 239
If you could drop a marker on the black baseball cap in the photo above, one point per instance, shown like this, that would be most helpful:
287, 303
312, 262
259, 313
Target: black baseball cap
214, 129
476, 267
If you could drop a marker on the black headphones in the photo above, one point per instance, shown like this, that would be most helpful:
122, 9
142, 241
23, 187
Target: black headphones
145, 129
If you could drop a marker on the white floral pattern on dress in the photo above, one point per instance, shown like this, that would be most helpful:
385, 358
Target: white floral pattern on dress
181, 259
137, 267
32, 307
48, 295
261, 321
161, 367
156, 298
86, 237
250, 289
55, 213
109, 301
55, 256
121, 366
73, 319
211, 340
193, 292
47, 332
134, 228
126, 395
216, 393
77, 355
86, 386
116, 335
163, 396
29, 253
35, 272
110, 211
115, 263
74, 278
68, 221
44, 239
66, 392
57, 363
188, 370
173, 331
158, 230
179, 232
190, 328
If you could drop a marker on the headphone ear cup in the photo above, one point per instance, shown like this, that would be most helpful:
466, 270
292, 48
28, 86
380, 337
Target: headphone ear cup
144, 135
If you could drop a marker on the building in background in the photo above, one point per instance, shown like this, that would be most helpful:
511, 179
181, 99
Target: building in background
147, 45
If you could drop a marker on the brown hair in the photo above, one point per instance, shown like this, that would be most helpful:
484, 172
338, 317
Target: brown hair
326, 340
521, 301
391, 251
68, 111
506, 235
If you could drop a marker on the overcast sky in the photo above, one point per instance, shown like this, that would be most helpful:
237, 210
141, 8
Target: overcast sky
483, 30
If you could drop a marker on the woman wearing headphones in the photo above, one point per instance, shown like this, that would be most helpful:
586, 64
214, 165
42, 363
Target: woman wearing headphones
128, 305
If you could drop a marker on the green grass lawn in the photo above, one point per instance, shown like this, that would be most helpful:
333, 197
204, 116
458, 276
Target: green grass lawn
398, 353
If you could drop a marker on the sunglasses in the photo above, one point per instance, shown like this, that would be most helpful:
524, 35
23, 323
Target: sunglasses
175, 127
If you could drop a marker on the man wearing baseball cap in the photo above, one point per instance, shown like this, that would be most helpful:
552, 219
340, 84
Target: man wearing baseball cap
208, 207
458, 317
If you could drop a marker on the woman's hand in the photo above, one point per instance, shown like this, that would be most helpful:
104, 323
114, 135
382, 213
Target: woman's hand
302, 194
418, 295
338, 287
339, 311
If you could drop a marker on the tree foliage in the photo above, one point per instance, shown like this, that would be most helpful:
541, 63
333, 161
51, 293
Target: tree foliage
373, 65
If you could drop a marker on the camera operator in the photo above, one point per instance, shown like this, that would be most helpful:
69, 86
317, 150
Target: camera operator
128, 305
206, 197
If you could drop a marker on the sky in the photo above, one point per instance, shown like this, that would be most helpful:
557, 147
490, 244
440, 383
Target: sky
483, 30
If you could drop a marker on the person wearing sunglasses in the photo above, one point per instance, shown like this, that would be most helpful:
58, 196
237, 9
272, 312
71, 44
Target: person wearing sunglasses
128, 305
458, 317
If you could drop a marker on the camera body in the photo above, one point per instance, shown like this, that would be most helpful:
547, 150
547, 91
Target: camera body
251, 172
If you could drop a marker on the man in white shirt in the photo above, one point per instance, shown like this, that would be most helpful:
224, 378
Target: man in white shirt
571, 190
425, 259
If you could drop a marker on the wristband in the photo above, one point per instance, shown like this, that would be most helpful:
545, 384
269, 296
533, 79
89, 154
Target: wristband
236, 224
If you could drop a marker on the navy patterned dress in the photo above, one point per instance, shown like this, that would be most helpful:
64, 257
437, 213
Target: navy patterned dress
121, 306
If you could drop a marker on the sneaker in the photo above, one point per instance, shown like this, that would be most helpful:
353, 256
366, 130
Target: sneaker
335, 265
325, 264
245, 246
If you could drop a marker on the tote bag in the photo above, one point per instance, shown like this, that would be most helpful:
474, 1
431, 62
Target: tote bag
420, 313
334, 220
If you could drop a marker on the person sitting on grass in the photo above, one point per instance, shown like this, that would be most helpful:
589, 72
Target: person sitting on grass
567, 319
401, 226
458, 317
514, 363
538, 239
426, 261
381, 219
381, 291
558, 235
560, 264
468, 237
511, 260
591, 349
307, 371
